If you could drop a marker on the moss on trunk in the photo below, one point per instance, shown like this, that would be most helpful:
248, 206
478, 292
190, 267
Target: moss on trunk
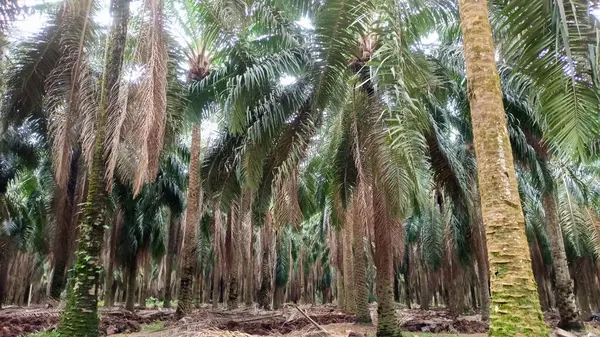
515, 306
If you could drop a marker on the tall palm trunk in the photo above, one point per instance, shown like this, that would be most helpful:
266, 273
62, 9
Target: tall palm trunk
264, 295
387, 323
130, 291
64, 226
360, 280
480, 255
565, 298
339, 272
349, 285
171, 251
188, 263
109, 293
5, 257
80, 317
516, 308
233, 256
249, 267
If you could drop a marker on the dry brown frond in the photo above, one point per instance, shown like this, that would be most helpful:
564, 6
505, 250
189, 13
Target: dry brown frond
151, 101
71, 99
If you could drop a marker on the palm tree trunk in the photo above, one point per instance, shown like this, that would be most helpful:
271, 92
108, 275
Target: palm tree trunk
480, 255
109, 292
565, 298
249, 295
349, 285
144, 287
171, 251
581, 288
233, 234
360, 279
80, 317
387, 323
264, 295
130, 291
188, 263
514, 295
5, 257
339, 272
64, 212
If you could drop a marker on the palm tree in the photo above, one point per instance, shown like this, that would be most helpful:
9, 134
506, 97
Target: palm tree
80, 317
513, 287
192, 212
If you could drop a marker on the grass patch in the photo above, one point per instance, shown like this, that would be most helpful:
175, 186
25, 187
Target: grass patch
44, 333
153, 327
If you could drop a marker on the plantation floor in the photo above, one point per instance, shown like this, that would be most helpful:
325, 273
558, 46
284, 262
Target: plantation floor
245, 322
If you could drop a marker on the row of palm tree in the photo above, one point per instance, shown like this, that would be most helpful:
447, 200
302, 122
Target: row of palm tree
385, 169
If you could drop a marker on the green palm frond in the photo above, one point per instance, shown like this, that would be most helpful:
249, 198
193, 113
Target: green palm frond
32, 61
553, 42
336, 34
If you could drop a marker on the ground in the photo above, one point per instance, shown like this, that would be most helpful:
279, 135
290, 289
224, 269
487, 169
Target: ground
245, 322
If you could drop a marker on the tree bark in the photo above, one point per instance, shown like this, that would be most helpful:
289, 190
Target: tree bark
232, 241
188, 263
264, 296
80, 318
349, 285
581, 288
387, 323
516, 307
109, 290
360, 280
64, 211
480, 255
171, 251
130, 292
249, 275
565, 298
5, 257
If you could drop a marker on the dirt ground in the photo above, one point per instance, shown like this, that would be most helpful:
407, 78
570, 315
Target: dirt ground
245, 322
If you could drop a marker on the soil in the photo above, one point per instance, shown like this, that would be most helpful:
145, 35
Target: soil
249, 321
17, 322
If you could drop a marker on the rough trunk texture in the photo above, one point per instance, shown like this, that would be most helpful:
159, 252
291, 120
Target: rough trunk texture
130, 291
109, 290
349, 286
387, 323
188, 263
5, 256
171, 251
233, 256
581, 287
278, 297
339, 273
145, 286
424, 296
264, 294
249, 275
360, 279
64, 212
216, 283
565, 298
80, 317
515, 303
480, 255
